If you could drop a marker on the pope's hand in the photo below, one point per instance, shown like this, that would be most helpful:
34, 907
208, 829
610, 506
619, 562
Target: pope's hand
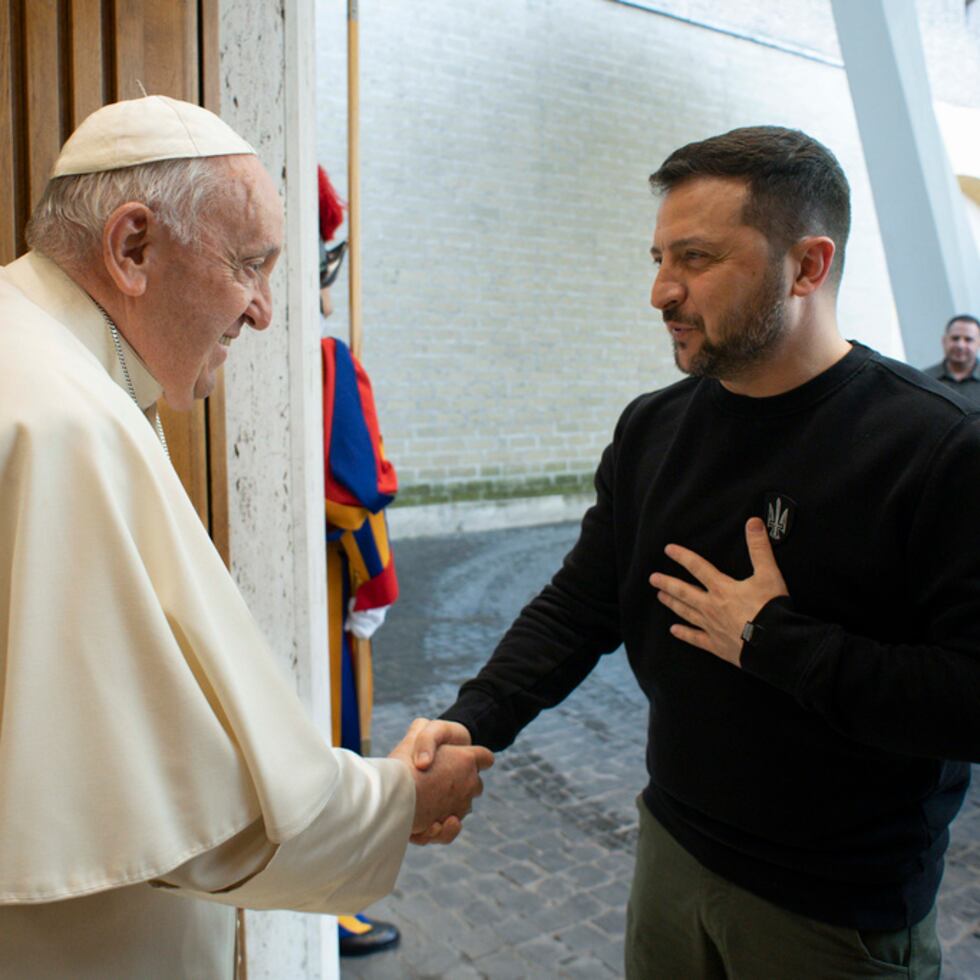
446, 786
717, 613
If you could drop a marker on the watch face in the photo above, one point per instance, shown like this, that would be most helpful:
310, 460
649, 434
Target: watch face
331, 259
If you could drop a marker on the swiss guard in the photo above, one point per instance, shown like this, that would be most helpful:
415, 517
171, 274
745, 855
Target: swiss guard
361, 582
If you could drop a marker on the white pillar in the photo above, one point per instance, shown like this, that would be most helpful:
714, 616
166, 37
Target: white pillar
274, 413
306, 387
932, 258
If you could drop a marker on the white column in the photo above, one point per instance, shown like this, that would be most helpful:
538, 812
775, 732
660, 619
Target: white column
306, 387
274, 414
932, 258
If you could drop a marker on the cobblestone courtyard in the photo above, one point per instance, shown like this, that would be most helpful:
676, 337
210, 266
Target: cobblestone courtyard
536, 885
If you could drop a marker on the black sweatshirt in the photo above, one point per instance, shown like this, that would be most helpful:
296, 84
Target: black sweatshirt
813, 776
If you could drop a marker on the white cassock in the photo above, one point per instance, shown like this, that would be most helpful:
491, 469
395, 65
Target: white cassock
146, 733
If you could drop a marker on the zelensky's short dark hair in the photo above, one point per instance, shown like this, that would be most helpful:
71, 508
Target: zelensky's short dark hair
796, 186
968, 317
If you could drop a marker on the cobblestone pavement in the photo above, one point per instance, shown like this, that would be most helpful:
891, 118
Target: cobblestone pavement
536, 885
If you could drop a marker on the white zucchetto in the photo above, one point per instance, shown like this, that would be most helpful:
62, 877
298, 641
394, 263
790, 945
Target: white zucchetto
145, 130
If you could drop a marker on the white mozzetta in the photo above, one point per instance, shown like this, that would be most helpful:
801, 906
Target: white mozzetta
145, 719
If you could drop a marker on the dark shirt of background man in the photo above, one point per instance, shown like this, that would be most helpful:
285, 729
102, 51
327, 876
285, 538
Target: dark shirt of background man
958, 368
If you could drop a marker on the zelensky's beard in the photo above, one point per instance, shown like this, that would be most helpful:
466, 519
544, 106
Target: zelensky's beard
748, 333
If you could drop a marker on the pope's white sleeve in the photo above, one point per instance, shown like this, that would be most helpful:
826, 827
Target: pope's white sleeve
347, 858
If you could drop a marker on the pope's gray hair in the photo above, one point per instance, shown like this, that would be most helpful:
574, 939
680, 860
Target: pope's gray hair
68, 220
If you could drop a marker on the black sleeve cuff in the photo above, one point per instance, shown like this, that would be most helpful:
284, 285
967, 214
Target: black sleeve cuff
462, 717
483, 718
785, 646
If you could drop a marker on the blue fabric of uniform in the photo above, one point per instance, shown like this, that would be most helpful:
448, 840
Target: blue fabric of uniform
367, 545
350, 718
352, 460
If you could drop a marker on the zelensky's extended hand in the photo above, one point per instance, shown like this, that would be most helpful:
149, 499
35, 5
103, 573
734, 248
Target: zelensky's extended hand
445, 789
718, 612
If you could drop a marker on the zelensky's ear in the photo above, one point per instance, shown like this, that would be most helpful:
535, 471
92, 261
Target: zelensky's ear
125, 237
813, 260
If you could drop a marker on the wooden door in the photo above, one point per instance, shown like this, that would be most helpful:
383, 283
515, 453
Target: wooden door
60, 60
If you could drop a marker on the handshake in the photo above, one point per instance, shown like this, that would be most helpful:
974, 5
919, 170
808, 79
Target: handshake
446, 768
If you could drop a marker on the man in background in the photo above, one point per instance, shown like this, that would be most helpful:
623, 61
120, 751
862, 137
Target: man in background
958, 368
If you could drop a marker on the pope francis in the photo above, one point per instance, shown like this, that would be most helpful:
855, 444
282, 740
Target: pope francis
155, 769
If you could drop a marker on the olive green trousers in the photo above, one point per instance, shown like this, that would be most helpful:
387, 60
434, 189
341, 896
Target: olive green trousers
686, 923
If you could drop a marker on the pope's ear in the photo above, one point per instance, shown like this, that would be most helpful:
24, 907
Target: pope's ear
125, 241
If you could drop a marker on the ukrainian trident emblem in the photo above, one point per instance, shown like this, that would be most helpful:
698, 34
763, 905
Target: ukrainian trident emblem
780, 511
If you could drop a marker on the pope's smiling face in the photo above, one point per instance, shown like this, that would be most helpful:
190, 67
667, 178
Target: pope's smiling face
206, 293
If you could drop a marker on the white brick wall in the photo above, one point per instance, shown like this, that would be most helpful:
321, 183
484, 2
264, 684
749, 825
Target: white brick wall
506, 215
